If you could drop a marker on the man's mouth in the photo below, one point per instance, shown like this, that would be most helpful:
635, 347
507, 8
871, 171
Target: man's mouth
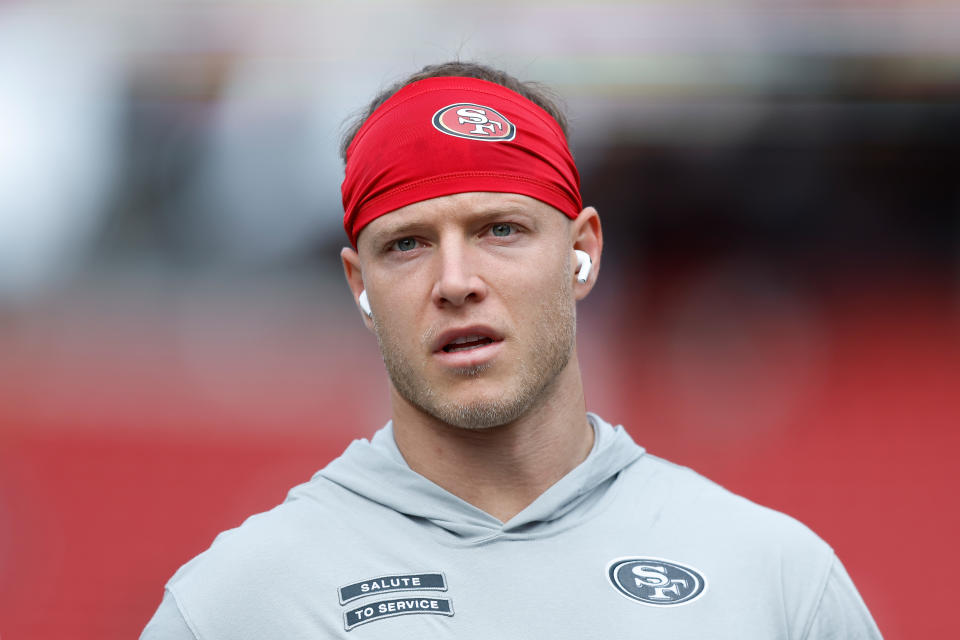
466, 343
468, 346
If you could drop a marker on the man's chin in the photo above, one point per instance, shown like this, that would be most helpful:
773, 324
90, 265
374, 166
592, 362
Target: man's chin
476, 411
477, 416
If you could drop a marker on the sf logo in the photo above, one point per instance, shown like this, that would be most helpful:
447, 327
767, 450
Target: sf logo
484, 126
657, 584
474, 122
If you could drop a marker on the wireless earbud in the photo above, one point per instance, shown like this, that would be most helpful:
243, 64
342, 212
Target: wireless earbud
584, 264
365, 303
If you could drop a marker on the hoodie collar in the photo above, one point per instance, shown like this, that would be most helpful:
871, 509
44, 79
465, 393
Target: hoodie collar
376, 470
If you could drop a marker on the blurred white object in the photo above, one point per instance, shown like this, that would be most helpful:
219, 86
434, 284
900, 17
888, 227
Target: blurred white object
58, 125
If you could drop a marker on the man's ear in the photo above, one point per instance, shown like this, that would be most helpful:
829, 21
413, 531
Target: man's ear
587, 235
353, 272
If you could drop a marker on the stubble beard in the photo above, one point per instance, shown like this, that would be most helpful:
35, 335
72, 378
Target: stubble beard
539, 366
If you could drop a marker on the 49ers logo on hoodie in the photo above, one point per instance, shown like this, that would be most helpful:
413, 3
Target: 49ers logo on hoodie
656, 581
474, 121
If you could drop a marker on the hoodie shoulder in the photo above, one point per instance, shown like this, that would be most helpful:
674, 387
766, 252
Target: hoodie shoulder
682, 493
311, 511
288, 556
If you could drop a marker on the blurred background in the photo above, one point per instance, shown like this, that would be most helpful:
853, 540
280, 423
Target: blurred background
779, 305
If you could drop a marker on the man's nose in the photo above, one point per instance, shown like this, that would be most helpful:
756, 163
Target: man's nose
458, 281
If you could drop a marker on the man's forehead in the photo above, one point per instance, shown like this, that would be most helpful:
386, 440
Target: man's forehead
460, 208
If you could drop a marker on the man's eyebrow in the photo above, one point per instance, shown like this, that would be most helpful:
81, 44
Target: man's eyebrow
496, 212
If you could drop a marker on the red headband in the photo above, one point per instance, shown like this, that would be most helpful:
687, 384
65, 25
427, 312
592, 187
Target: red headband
446, 135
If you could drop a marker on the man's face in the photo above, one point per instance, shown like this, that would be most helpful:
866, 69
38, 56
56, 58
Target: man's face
473, 303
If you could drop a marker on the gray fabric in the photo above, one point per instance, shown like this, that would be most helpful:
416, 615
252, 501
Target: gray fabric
543, 574
167, 623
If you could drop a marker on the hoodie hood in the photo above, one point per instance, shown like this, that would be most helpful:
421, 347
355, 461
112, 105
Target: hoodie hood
376, 470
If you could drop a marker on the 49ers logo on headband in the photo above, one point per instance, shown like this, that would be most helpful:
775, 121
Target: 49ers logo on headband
466, 120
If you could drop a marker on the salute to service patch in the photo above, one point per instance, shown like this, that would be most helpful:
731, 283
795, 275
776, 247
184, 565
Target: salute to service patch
413, 603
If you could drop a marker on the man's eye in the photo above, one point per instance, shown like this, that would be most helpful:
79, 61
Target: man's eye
405, 244
501, 229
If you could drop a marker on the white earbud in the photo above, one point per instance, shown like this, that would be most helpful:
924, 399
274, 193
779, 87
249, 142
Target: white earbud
365, 303
584, 264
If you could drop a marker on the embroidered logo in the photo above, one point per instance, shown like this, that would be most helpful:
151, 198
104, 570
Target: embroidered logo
655, 581
474, 121
398, 607
400, 582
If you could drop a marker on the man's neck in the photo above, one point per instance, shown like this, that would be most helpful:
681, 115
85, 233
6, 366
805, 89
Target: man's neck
503, 469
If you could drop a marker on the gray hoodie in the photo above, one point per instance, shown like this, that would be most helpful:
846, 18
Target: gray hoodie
626, 545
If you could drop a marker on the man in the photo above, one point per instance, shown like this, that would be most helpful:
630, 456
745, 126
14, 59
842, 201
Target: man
493, 504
